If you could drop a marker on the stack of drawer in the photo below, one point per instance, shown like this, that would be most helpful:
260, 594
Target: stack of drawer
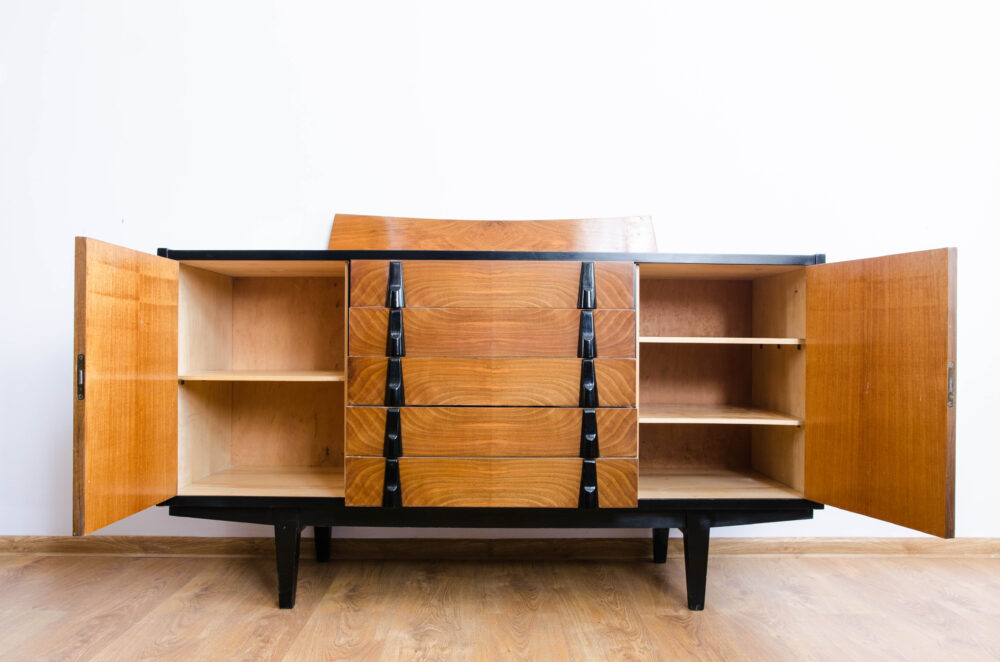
491, 384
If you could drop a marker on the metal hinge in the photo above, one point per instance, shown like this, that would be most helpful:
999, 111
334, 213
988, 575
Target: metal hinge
81, 377
951, 383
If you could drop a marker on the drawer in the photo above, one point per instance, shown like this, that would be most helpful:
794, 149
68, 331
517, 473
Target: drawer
492, 284
492, 332
491, 381
491, 431
491, 482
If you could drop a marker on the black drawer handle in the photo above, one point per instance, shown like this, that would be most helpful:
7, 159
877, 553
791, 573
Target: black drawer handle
589, 445
394, 396
395, 341
586, 347
588, 384
587, 297
394, 295
392, 444
588, 485
392, 490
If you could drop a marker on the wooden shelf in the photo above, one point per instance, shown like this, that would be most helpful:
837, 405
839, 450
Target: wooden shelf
716, 414
711, 340
264, 376
710, 484
270, 481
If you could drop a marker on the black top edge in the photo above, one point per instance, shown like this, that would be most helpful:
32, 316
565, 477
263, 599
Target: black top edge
675, 258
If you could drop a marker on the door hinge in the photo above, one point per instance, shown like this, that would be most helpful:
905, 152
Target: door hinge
951, 383
81, 377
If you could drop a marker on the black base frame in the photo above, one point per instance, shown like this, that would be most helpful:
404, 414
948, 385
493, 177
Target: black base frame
694, 517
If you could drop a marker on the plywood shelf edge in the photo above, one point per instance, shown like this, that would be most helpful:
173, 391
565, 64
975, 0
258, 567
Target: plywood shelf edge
712, 340
713, 414
263, 376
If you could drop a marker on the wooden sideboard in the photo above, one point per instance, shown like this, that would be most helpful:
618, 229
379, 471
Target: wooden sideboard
545, 374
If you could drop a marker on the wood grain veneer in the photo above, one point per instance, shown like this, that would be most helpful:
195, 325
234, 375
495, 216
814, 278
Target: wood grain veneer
880, 435
270, 481
492, 283
492, 332
491, 381
711, 484
288, 324
626, 234
718, 414
491, 482
694, 374
491, 431
125, 430
701, 308
652, 270
270, 268
264, 376
288, 424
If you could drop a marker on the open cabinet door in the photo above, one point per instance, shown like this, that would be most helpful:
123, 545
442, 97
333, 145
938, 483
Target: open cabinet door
880, 415
125, 390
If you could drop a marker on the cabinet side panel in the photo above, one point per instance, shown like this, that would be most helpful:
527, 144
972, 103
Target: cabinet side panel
204, 321
204, 429
779, 376
879, 429
125, 448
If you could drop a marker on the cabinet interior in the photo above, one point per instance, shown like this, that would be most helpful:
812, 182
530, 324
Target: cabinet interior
261, 360
721, 381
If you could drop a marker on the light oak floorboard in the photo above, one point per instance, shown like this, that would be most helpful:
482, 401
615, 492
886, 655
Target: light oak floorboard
761, 606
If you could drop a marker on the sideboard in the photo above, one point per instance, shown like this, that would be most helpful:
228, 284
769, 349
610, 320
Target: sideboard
539, 374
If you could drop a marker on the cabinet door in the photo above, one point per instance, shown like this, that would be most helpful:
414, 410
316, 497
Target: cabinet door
125, 390
880, 415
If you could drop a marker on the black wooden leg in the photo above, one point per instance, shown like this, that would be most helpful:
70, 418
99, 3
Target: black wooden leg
660, 537
287, 536
696, 533
322, 541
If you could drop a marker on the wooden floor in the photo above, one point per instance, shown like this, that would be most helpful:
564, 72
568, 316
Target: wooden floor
856, 601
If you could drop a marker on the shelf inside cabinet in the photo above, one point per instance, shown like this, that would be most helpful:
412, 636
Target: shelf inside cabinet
711, 484
269, 481
714, 414
713, 340
263, 376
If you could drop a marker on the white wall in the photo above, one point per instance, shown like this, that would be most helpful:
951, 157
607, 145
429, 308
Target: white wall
851, 128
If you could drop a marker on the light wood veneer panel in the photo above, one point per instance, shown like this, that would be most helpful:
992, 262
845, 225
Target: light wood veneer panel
880, 434
272, 268
125, 430
627, 234
492, 431
492, 283
718, 414
491, 482
694, 374
288, 424
711, 484
492, 382
492, 332
720, 308
270, 481
288, 324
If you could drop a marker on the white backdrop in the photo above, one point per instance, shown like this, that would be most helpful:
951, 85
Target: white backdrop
851, 128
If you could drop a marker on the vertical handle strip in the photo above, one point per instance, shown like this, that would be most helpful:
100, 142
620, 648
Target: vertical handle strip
394, 395
392, 444
395, 341
588, 485
589, 445
394, 295
588, 384
392, 493
587, 298
586, 347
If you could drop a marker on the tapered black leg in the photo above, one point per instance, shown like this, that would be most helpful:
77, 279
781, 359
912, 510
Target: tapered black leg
287, 537
660, 537
322, 541
696, 533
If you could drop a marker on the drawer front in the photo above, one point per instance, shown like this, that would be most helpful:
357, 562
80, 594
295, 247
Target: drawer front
491, 382
491, 482
492, 332
491, 432
492, 284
